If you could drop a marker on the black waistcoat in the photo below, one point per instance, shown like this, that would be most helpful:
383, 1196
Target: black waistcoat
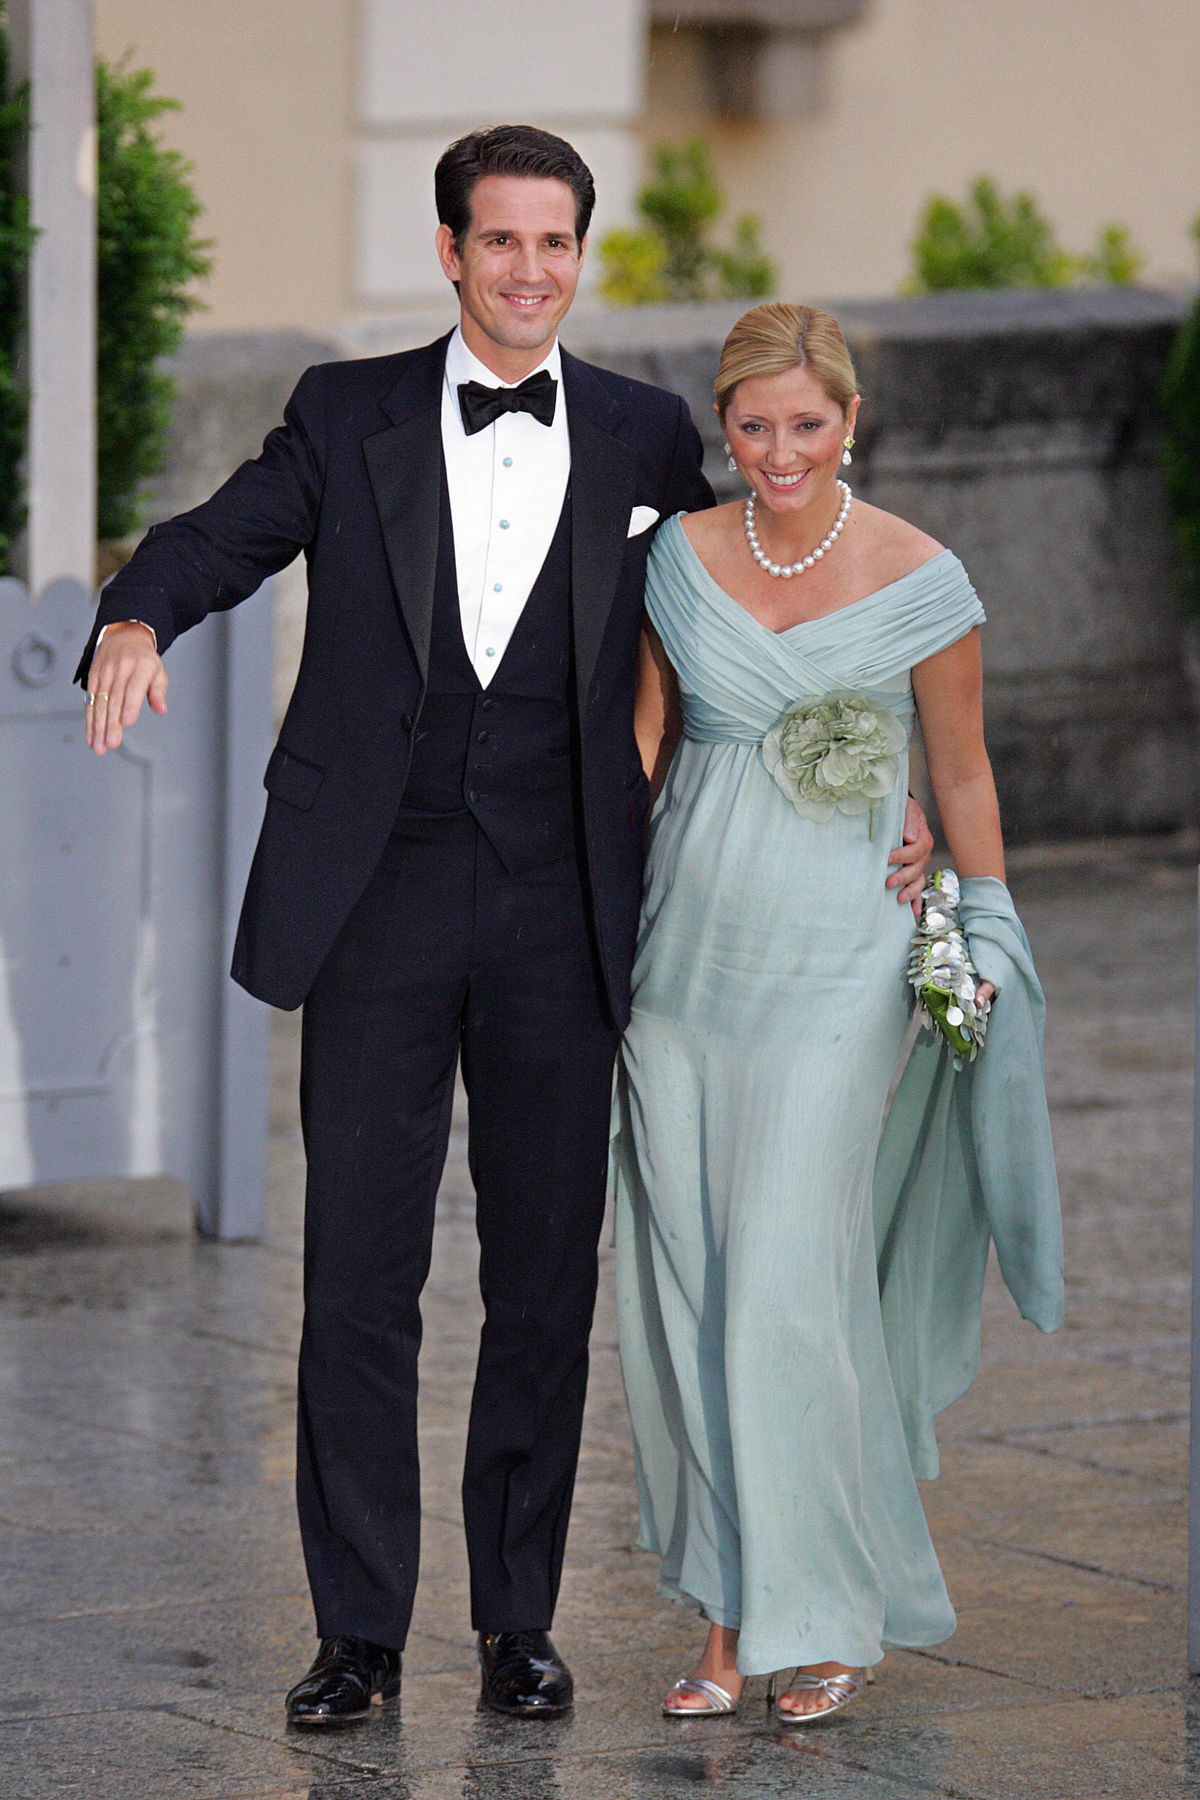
503, 752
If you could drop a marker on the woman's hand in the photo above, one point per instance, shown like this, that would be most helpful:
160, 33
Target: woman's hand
912, 857
985, 992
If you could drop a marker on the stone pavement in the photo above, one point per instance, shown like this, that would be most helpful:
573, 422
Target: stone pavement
154, 1610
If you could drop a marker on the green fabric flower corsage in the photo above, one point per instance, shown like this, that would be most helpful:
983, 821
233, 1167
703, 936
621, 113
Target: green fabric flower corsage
840, 753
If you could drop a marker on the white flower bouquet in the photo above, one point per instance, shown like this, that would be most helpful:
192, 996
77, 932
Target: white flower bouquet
942, 973
839, 753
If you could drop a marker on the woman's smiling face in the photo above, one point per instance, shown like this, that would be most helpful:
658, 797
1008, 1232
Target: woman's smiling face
787, 436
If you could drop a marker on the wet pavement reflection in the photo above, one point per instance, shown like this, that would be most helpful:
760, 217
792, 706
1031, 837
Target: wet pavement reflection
154, 1607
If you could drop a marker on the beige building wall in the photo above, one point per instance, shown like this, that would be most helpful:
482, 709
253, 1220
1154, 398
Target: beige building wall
266, 88
428, 74
313, 126
1093, 104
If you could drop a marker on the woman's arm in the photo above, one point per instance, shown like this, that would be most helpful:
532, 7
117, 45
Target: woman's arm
657, 714
948, 689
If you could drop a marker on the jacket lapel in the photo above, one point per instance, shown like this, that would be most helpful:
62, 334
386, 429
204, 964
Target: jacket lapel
404, 463
602, 484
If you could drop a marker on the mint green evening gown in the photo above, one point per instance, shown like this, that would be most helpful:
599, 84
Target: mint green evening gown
769, 1012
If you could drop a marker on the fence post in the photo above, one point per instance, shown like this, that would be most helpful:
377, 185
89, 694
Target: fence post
52, 49
124, 1047
237, 1208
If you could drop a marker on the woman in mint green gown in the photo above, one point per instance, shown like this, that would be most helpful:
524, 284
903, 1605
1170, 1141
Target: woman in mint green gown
777, 1402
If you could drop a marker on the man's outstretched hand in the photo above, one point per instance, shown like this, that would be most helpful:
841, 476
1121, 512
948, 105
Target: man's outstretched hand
126, 670
912, 857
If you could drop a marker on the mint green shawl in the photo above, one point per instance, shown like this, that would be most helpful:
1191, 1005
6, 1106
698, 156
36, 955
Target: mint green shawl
966, 1159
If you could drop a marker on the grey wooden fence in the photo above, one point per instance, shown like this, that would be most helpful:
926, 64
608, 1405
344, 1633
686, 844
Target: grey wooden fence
125, 1049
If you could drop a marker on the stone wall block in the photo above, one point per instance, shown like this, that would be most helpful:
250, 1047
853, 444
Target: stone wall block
231, 389
1020, 429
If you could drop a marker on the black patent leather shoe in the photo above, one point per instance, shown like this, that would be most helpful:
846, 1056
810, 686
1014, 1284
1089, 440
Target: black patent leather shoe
523, 1674
347, 1674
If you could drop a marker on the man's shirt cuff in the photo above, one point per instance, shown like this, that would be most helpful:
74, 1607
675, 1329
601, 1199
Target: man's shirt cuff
141, 622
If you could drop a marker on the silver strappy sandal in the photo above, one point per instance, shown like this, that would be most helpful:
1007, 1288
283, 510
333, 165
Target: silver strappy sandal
719, 1700
840, 1689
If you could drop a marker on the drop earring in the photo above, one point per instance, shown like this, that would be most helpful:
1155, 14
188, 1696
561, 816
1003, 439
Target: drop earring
847, 442
732, 459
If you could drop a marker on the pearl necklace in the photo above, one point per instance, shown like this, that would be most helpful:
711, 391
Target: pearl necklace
805, 562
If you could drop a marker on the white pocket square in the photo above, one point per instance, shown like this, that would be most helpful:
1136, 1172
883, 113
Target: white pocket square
641, 519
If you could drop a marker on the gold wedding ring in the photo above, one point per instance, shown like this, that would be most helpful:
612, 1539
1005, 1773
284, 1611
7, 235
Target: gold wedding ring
91, 700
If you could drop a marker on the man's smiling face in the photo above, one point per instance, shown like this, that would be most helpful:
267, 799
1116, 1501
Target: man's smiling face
517, 269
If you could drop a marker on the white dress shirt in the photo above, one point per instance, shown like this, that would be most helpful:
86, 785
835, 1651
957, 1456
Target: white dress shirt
507, 485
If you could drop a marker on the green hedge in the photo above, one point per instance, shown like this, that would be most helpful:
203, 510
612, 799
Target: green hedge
993, 242
1181, 454
147, 254
669, 257
16, 242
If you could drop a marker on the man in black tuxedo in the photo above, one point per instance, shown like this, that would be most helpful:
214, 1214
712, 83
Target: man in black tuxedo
450, 865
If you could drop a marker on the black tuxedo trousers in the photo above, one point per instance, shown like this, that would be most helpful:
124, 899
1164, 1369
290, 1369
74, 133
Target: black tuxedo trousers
446, 948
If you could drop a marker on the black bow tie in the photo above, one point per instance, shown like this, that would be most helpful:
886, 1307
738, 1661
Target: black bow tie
481, 405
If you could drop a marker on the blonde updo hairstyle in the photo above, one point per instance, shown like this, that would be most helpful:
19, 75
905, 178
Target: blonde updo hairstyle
771, 339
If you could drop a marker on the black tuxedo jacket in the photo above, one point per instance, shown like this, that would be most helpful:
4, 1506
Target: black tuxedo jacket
352, 479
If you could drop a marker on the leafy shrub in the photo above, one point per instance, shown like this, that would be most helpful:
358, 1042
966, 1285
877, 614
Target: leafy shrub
745, 270
146, 254
16, 242
679, 207
991, 242
669, 256
635, 265
1181, 453
1117, 260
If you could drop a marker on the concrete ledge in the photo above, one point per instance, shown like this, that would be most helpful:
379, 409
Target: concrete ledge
75, 1215
1020, 428
231, 388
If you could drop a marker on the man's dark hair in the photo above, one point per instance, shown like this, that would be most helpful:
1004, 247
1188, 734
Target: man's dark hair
508, 150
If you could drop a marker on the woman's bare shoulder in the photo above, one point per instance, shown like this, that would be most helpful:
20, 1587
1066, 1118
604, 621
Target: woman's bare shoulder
895, 546
706, 530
